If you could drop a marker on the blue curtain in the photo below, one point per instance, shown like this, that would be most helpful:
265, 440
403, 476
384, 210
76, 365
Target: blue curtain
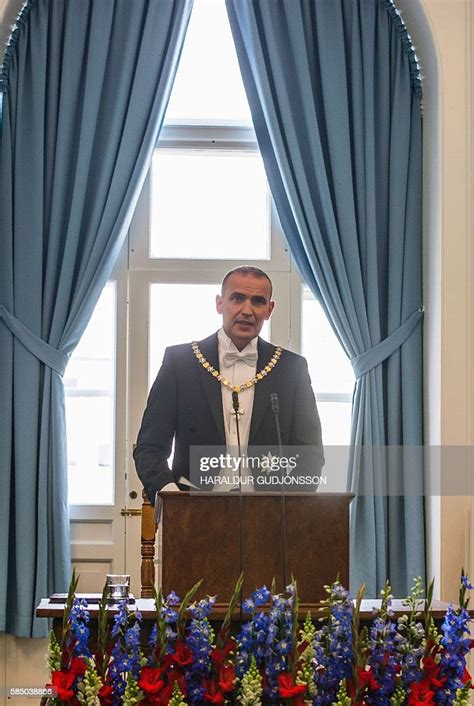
334, 91
85, 86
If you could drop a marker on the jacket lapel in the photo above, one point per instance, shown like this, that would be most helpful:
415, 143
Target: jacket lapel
211, 387
263, 388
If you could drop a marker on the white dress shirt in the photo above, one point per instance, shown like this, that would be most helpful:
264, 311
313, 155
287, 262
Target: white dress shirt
237, 372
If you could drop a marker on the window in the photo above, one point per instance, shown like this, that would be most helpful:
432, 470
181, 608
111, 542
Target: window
208, 87
225, 192
330, 370
89, 383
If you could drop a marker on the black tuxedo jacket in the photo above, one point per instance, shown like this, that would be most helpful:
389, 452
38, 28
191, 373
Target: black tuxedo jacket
185, 404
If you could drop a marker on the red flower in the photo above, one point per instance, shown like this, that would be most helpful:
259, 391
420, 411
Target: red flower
367, 679
160, 699
466, 677
212, 694
218, 657
175, 675
67, 652
182, 655
432, 669
62, 682
106, 695
168, 661
78, 666
299, 700
350, 687
421, 694
227, 677
287, 687
151, 680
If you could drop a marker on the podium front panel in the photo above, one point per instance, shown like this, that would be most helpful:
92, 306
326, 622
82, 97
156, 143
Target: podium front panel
201, 540
215, 536
262, 555
317, 542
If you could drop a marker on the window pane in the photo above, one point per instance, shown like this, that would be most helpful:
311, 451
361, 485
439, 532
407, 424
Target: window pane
329, 366
330, 370
208, 205
335, 422
180, 313
90, 407
208, 85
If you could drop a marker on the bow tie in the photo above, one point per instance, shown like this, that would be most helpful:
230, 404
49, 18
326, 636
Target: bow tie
231, 357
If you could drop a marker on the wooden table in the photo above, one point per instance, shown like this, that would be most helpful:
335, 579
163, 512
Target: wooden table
54, 610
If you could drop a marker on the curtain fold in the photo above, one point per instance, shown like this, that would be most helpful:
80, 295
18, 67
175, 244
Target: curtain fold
85, 85
334, 92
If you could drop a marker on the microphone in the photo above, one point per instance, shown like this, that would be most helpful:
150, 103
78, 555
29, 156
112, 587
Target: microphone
276, 412
236, 406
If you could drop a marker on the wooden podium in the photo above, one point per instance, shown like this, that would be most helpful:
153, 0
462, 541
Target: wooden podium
215, 536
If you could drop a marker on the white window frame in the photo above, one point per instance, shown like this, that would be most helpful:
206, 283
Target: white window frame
202, 137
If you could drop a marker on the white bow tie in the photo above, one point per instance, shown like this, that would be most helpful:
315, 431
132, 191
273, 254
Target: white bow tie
231, 357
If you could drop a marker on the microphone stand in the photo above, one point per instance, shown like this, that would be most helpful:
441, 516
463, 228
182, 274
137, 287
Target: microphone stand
276, 413
236, 406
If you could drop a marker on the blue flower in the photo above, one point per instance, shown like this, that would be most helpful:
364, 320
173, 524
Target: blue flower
172, 599
261, 596
199, 641
383, 659
169, 615
456, 644
80, 633
153, 636
120, 619
126, 650
248, 605
201, 610
333, 646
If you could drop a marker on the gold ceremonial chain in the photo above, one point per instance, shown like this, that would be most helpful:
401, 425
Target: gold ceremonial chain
245, 385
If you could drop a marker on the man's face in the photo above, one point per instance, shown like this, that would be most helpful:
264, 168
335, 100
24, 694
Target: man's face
245, 304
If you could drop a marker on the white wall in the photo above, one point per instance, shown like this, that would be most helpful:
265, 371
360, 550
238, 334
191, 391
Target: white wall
443, 34
449, 245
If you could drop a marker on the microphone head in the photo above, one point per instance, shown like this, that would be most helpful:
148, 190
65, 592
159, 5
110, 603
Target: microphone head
235, 401
275, 403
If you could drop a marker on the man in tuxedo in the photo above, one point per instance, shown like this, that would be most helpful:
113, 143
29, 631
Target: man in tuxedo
191, 399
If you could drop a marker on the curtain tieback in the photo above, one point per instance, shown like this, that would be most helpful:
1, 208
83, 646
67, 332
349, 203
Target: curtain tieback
364, 362
52, 357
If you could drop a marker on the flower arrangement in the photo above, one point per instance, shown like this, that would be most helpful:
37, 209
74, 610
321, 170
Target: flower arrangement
275, 658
